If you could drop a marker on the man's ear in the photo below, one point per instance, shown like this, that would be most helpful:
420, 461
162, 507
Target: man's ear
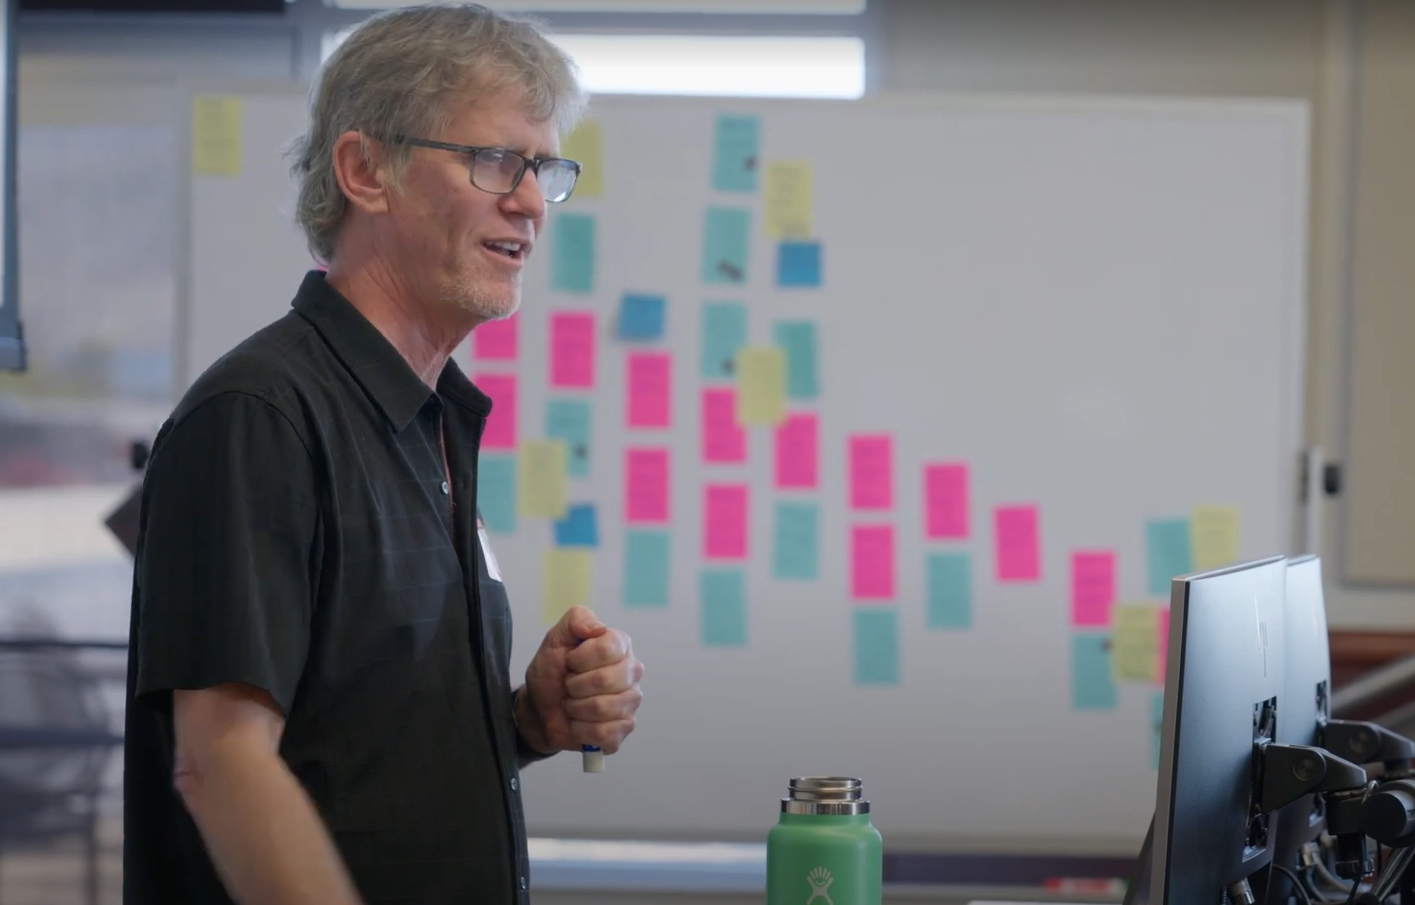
358, 167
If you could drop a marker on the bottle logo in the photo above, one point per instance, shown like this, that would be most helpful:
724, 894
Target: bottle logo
820, 880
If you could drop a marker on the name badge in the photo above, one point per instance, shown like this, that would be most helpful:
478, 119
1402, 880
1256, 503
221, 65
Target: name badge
492, 567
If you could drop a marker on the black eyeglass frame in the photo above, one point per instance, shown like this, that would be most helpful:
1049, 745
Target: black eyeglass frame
527, 163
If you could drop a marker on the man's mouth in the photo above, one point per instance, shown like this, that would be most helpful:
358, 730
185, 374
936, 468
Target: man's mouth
507, 248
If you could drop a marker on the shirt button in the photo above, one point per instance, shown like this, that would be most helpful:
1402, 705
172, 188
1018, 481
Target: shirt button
445, 488
523, 882
515, 784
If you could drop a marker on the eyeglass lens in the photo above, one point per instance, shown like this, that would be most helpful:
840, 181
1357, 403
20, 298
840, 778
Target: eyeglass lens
496, 171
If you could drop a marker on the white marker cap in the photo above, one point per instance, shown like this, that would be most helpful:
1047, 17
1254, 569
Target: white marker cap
593, 761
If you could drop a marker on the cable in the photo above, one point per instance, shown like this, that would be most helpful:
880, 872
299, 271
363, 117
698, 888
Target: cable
1296, 883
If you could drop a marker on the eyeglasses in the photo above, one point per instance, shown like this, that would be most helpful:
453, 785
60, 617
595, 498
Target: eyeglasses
500, 170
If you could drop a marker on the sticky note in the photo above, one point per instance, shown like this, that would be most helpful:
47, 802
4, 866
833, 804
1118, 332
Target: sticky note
540, 486
725, 521
496, 492
723, 607
572, 253
645, 568
641, 316
1156, 727
579, 527
798, 265
871, 471
946, 501
724, 440
795, 551
500, 431
572, 349
787, 199
1135, 642
798, 340
1162, 647
646, 486
872, 562
1091, 685
1214, 536
724, 333
949, 583
585, 144
217, 123
569, 420
1168, 551
496, 340
736, 139
1018, 544
650, 387
564, 581
725, 234
761, 385
798, 452
1092, 587
876, 646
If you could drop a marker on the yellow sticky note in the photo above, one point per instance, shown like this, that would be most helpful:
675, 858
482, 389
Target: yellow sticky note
1213, 535
787, 198
586, 145
761, 385
1135, 639
216, 135
565, 581
540, 478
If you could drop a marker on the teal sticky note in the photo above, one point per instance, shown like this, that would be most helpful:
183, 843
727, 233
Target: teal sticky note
794, 554
1092, 687
496, 493
876, 646
724, 607
645, 568
641, 316
1170, 552
735, 163
725, 234
569, 420
579, 527
1156, 726
798, 264
724, 332
798, 338
950, 590
572, 248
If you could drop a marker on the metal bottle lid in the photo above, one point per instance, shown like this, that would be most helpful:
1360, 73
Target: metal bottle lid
828, 795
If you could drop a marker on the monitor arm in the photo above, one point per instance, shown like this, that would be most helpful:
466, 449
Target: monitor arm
1291, 771
1366, 743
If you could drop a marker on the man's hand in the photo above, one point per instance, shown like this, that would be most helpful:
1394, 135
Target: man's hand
582, 687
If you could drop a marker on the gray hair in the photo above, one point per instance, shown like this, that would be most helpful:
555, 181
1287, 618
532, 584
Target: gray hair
405, 72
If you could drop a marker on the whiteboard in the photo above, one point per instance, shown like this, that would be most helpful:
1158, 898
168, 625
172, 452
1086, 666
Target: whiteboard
1097, 304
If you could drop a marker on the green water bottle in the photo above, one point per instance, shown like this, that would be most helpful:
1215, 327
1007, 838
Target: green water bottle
824, 850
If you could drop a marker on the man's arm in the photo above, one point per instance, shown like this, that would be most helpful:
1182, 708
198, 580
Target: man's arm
264, 835
529, 731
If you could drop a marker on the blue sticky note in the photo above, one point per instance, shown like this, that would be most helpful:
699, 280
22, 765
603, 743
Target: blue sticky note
798, 264
569, 420
572, 247
950, 590
496, 493
579, 527
876, 646
797, 541
798, 339
724, 332
1092, 687
724, 607
725, 233
734, 157
1169, 551
641, 316
645, 568
1156, 725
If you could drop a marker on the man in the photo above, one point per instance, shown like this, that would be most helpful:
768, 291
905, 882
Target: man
320, 708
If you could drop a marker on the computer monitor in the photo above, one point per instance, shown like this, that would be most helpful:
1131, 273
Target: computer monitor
1221, 694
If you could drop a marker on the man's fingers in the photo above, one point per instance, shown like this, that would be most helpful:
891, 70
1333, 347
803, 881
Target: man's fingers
611, 679
605, 649
578, 624
605, 736
603, 708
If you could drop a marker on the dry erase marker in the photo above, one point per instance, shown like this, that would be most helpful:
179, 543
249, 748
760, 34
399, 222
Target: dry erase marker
591, 758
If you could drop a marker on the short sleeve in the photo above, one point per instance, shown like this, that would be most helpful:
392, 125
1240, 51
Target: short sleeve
228, 552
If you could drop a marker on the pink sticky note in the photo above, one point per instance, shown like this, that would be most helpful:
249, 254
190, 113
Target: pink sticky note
496, 340
871, 471
500, 432
1092, 587
650, 388
646, 486
797, 444
872, 561
724, 440
1018, 546
572, 349
946, 501
725, 521
1163, 642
